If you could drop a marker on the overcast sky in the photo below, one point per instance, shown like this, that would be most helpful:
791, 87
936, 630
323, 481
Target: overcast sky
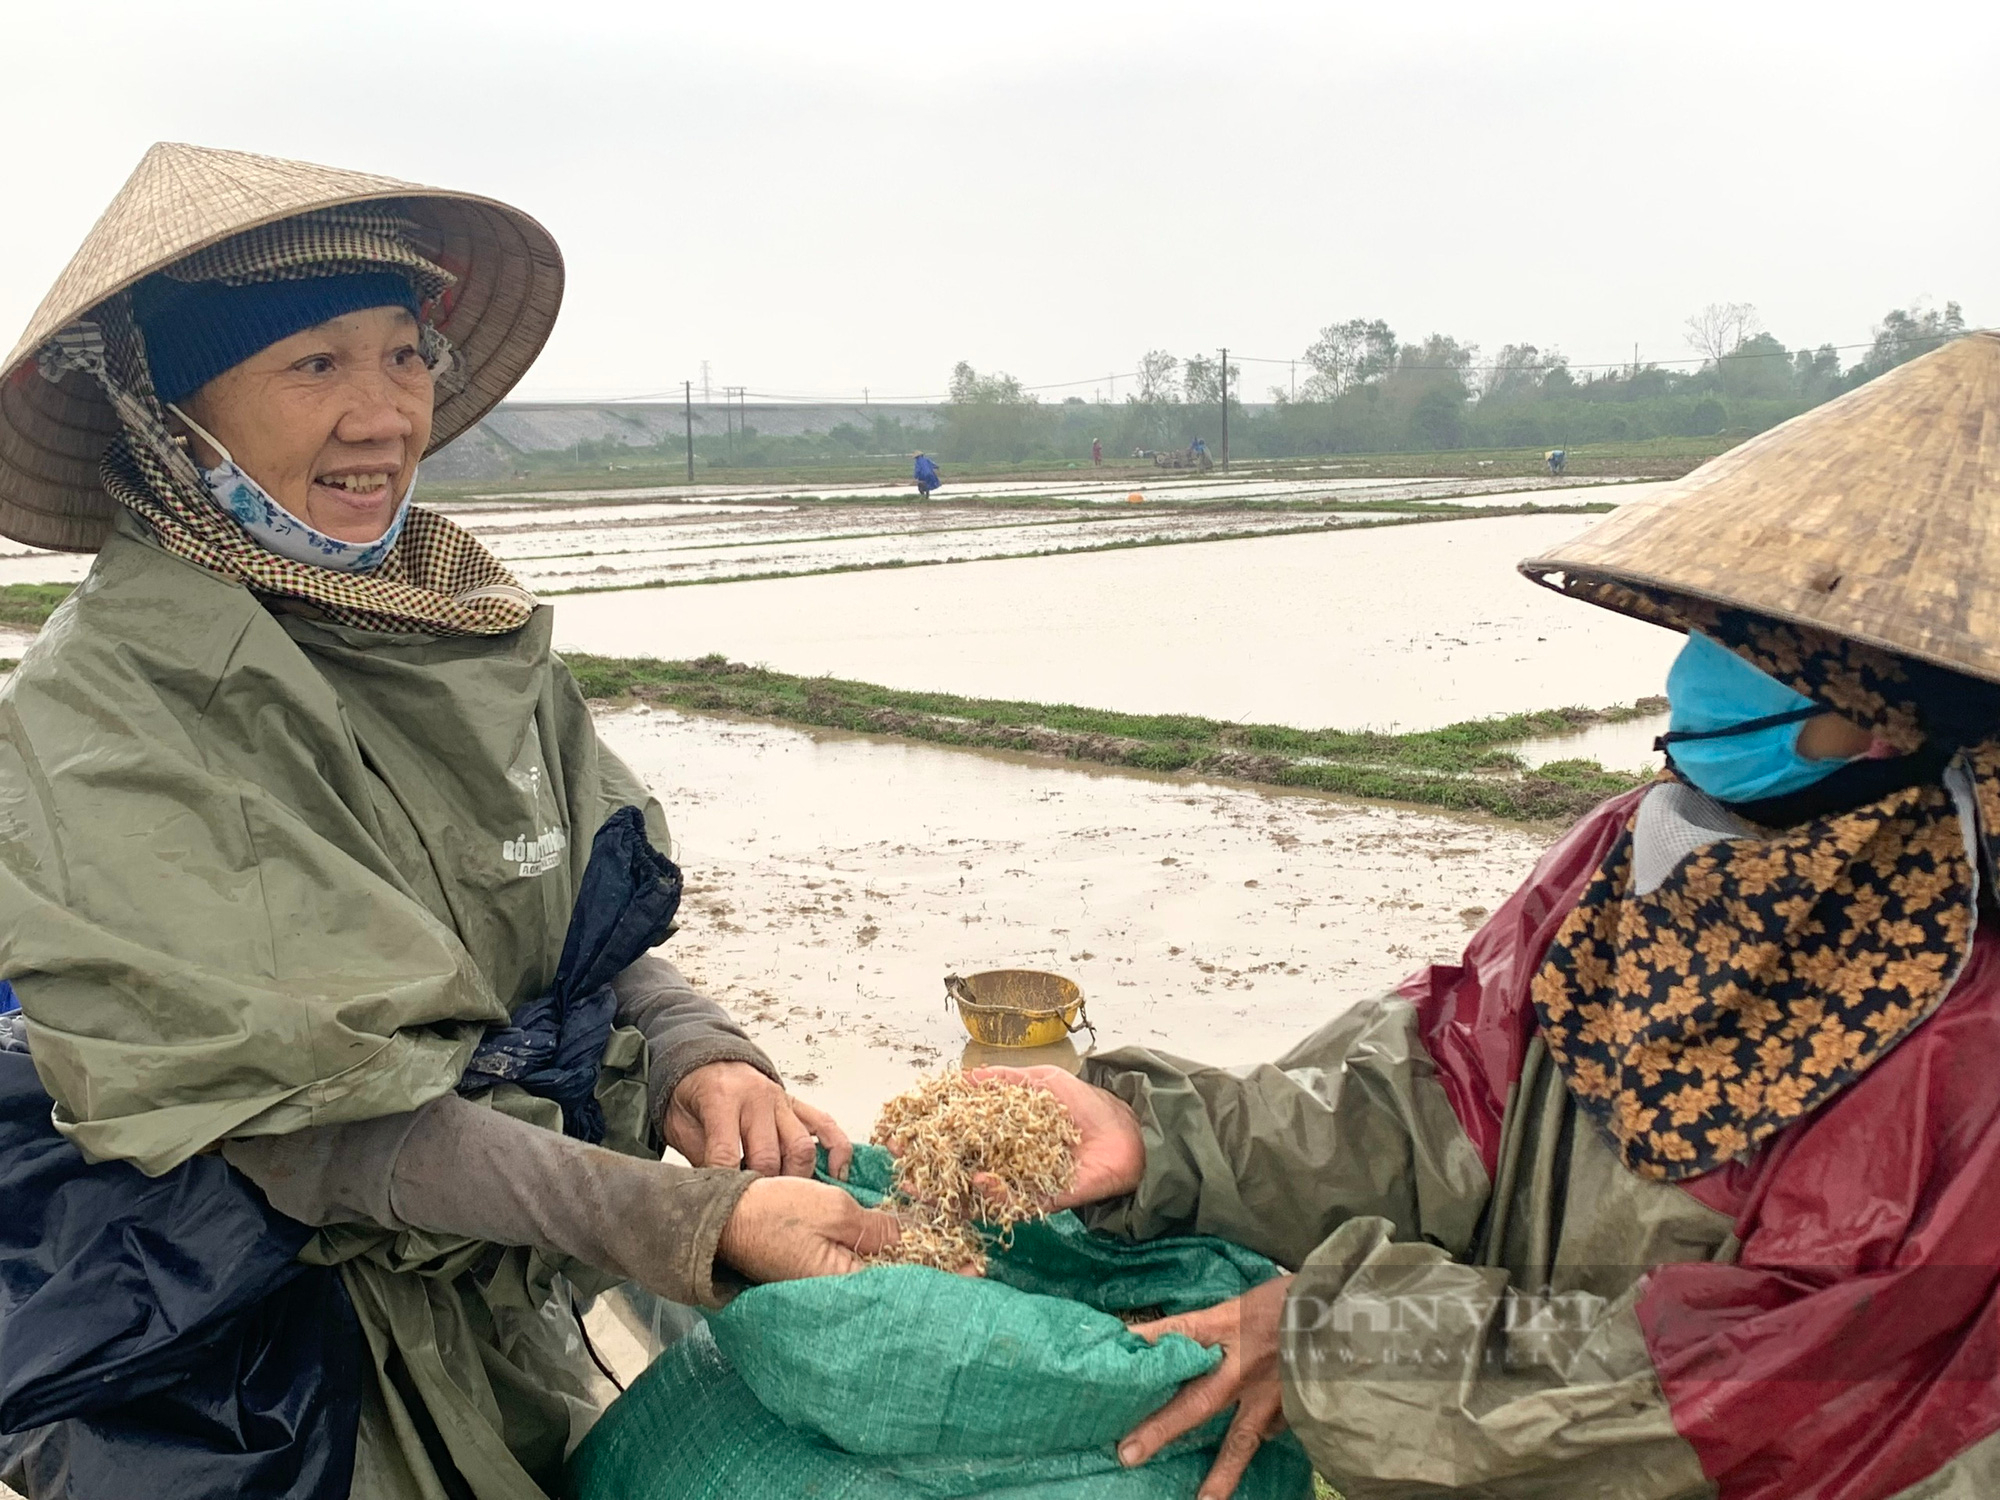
817, 198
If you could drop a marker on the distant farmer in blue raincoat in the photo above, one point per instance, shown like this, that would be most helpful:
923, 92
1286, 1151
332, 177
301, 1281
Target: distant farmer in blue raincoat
927, 476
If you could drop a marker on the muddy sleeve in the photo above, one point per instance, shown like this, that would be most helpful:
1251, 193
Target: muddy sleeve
459, 1168
684, 1029
1277, 1156
1408, 1374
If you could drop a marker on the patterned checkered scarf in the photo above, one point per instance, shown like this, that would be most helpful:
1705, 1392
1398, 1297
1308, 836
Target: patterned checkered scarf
1767, 974
437, 580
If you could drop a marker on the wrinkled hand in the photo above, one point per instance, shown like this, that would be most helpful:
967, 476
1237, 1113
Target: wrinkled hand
1111, 1157
784, 1229
1246, 1329
729, 1115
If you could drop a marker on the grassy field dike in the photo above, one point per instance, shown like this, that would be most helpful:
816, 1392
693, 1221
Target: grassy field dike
1461, 766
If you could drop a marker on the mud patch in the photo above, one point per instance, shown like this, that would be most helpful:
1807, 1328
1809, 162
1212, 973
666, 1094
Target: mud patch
1214, 921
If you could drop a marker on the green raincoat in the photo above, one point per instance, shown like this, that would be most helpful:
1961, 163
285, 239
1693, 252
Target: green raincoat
1344, 1159
1488, 1303
259, 872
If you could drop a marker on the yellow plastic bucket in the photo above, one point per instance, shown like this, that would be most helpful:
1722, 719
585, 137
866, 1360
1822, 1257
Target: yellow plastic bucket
1018, 1007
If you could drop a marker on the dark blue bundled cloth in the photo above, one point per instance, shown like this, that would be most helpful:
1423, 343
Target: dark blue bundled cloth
159, 1336
626, 905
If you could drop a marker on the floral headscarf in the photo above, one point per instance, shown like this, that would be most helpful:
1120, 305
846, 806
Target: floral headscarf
1766, 974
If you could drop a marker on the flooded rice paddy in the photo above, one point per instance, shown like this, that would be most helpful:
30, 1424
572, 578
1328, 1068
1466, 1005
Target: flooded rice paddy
833, 881
640, 556
1406, 627
1164, 486
594, 540
1350, 626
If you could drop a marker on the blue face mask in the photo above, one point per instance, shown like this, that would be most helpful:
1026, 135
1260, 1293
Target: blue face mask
276, 529
1734, 730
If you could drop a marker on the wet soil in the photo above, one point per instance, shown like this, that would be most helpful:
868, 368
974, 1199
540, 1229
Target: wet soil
835, 879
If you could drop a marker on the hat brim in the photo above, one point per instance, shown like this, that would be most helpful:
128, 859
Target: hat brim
510, 286
1875, 517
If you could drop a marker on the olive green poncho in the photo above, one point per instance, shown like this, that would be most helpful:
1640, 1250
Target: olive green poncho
260, 872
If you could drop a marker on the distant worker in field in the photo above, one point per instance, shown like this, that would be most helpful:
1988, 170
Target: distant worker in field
927, 476
1198, 453
1557, 459
1097, 453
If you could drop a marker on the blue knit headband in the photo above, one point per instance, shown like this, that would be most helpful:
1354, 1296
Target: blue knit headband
195, 330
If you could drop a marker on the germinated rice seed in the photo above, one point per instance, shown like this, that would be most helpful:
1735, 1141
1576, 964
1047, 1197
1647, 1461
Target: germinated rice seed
951, 1127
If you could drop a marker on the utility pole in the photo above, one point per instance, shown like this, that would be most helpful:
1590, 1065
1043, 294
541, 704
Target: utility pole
687, 398
705, 398
1225, 407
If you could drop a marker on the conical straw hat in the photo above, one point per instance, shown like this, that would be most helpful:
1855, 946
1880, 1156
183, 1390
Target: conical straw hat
1875, 516
184, 198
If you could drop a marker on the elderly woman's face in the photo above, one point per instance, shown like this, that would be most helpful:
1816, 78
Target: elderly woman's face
331, 421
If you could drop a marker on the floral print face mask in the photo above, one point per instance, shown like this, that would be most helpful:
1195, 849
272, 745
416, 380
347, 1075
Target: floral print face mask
277, 530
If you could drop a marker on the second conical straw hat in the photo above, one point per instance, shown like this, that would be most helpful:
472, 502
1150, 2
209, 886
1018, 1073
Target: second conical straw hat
1875, 516
185, 198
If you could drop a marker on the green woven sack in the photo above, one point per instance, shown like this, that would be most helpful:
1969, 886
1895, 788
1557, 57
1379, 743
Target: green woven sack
901, 1383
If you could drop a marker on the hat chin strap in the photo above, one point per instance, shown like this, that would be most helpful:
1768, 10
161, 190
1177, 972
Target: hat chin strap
203, 433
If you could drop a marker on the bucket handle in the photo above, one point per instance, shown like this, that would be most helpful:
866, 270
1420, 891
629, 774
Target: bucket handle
957, 990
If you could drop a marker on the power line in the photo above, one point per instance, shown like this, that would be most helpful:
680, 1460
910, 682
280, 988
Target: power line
1623, 364
867, 398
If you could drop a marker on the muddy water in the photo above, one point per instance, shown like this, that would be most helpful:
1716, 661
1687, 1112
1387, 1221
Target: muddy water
1617, 747
1405, 627
834, 880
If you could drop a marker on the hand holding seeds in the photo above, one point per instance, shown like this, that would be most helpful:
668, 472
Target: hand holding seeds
955, 1130
1000, 1146
1109, 1152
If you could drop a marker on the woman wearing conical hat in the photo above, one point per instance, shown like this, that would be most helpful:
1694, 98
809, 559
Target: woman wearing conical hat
1683, 1180
297, 806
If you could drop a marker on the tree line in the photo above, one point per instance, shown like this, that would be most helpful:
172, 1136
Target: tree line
1369, 391
1365, 391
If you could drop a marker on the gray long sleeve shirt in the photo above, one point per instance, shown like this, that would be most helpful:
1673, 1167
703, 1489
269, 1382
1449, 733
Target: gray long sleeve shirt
455, 1167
